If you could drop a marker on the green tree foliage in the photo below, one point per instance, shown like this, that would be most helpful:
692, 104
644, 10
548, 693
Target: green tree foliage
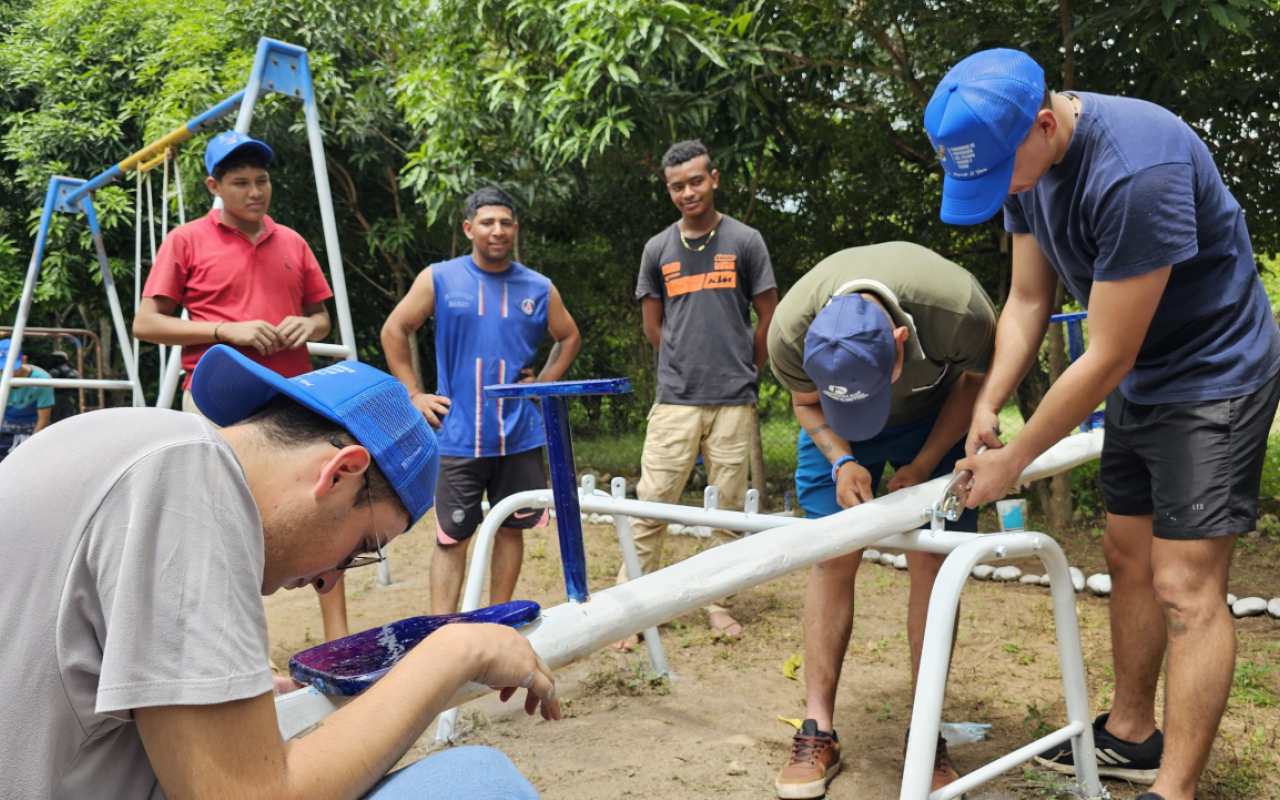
811, 109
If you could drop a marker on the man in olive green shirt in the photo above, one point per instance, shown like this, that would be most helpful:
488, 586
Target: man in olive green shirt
884, 349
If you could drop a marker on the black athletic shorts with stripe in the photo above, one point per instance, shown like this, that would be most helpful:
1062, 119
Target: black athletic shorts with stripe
464, 482
1194, 467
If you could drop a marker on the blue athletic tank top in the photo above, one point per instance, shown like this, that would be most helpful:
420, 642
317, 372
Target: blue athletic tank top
488, 328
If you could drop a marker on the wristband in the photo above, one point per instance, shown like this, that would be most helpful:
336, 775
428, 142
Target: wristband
215, 330
840, 462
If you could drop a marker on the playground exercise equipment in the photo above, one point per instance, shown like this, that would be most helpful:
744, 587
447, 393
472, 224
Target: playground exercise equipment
72, 334
574, 630
277, 67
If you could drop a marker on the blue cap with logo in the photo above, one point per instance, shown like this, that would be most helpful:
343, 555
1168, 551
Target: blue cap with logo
979, 114
849, 354
5, 345
224, 144
373, 406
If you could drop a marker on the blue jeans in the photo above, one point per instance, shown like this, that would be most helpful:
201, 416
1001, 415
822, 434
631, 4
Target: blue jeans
475, 773
896, 446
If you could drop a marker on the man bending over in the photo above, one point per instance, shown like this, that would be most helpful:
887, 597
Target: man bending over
133, 609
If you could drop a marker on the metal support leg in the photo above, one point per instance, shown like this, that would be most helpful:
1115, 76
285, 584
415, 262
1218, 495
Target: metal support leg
935, 661
631, 559
28, 290
113, 300
564, 487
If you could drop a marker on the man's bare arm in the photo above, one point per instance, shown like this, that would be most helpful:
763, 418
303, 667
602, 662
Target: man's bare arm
312, 325
44, 417
564, 330
853, 483
651, 312
155, 323
1019, 333
1119, 314
234, 749
953, 420
405, 319
764, 303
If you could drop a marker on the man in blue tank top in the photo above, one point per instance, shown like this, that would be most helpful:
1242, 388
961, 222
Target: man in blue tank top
1122, 201
491, 316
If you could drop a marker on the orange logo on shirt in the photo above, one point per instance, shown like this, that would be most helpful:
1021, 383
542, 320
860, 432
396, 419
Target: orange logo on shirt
671, 269
696, 283
726, 261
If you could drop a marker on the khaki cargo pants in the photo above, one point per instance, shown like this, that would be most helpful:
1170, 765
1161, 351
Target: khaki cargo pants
676, 436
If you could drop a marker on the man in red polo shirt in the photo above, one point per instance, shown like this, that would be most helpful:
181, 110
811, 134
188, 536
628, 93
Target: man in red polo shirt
245, 281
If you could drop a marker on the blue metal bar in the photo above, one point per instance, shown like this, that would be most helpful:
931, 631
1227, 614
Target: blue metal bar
1074, 315
564, 488
1075, 338
560, 388
1075, 348
564, 476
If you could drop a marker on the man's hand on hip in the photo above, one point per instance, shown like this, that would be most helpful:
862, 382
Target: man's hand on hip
296, 331
258, 334
853, 485
432, 406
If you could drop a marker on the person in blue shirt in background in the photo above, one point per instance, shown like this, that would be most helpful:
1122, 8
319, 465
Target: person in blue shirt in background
492, 315
30, 408
1122, 201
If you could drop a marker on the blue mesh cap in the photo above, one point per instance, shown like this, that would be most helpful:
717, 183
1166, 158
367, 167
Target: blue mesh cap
373, 406
5, 346
224, 144
979, 114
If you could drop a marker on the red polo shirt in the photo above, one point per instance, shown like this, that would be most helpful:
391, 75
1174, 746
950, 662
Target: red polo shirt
213, 271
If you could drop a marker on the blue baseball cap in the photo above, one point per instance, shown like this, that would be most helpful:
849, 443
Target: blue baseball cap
224, 144
849, 354
979, 114
373, 406
5, 346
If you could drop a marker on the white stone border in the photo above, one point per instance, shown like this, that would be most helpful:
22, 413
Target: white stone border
1099, 584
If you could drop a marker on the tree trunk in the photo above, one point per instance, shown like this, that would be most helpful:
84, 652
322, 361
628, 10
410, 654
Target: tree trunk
1058, 508
757, 481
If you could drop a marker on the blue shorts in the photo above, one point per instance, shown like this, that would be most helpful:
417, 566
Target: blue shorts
897, 446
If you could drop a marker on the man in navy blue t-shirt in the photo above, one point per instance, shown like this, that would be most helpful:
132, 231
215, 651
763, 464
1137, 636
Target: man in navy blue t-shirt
1122, 201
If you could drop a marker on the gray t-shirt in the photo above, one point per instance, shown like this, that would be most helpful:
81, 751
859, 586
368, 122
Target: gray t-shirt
707, 356
133, 560
950, 319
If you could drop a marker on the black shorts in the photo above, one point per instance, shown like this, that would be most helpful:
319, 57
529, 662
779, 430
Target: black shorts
1194, 467
463, 482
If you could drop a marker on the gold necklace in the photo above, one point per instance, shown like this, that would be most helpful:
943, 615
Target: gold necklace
710, 236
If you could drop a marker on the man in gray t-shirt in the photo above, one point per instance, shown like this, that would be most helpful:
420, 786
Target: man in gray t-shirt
138, 544
699, 280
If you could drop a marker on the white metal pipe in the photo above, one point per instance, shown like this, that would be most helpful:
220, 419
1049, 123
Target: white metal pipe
328, 222
72, 383
137, 253
324, 349
172, 373
631, 560
972, 780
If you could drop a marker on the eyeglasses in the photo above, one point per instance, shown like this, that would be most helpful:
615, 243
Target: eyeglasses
363, 560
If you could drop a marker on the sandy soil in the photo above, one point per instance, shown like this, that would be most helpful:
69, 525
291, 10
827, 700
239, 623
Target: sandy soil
714, 730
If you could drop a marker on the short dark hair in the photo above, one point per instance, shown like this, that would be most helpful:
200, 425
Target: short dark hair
1047, 102
243, 157
681, 152
286, 423
489, 196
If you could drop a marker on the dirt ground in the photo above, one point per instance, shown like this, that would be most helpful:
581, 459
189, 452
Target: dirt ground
714, 730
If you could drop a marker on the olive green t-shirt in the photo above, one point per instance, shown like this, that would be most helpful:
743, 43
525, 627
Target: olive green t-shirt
952, 322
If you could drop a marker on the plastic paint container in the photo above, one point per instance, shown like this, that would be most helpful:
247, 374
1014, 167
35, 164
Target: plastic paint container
1013, 514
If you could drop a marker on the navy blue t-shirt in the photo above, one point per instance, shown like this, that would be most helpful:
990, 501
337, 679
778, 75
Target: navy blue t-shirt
1137, 191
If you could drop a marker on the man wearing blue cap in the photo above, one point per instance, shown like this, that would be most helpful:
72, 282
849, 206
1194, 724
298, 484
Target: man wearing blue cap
245, 281
134, 615
884, 349
1122, 201
30, 408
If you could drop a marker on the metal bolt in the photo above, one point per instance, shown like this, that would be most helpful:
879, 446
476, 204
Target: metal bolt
272, 84
297, 92
293, 65
1000, 551
275, 60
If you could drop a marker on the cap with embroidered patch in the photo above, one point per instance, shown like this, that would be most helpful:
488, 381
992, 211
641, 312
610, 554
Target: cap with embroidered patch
224, 144
849, 354
980, 113
373, 406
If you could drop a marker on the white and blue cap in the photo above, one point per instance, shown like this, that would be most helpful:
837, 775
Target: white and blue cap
5, 345
979, 114
224, 144
849, 354
373, 406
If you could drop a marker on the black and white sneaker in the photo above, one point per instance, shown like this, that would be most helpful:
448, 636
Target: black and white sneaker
1117, 758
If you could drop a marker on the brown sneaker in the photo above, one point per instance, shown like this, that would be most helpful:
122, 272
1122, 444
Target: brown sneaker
815, 760
943, 770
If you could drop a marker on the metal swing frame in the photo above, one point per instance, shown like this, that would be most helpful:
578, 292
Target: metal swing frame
277, 67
